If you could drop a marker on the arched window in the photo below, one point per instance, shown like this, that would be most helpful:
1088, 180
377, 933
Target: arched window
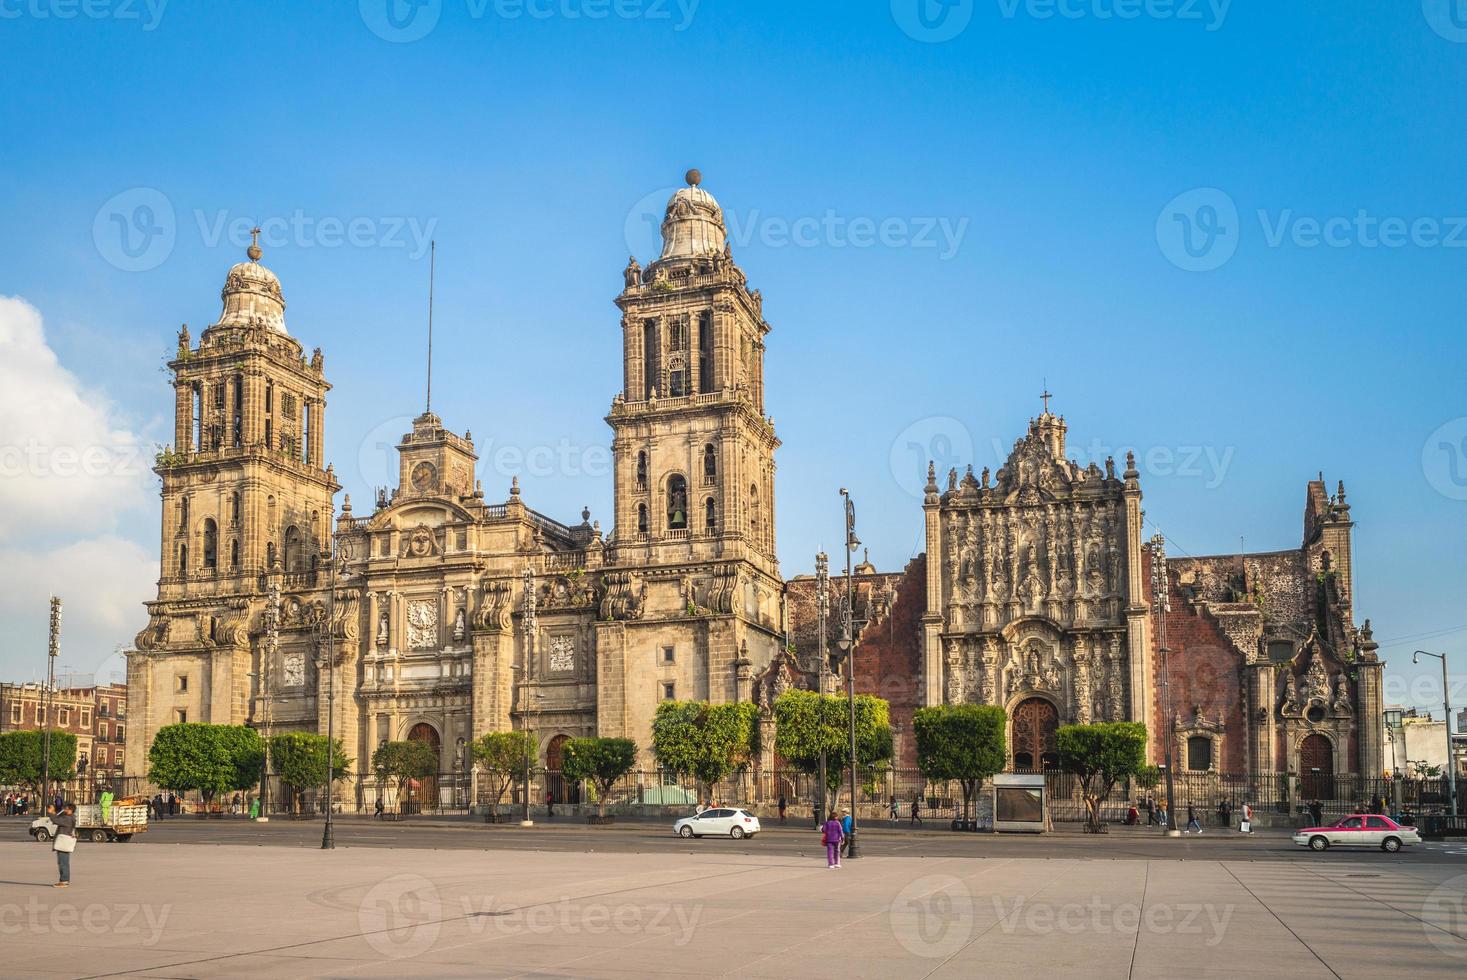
292, 549
211, 543
234, 553
677, 502
234, 509
183, 514
642, 518
710, 463
270, 554
183, 559
754, 512
641, 471
710, 515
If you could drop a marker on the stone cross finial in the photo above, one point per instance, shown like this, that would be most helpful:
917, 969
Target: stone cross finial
254, 250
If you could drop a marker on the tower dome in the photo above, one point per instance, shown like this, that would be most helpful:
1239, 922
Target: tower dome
252, 293
693, 225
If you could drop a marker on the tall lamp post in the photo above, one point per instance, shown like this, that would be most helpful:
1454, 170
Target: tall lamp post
1447, 706
847, 644
272, 643
530, 625
338, 569
822, 610
1159, 592
53, 650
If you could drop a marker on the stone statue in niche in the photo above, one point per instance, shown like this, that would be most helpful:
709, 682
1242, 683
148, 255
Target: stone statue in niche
293, 670
460, 628
382, 629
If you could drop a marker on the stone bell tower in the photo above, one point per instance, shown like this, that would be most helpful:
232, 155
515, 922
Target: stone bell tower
247, 506
694, 451
693, 603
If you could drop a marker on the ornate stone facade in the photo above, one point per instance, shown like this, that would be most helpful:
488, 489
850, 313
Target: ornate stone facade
1035, 593
453, 616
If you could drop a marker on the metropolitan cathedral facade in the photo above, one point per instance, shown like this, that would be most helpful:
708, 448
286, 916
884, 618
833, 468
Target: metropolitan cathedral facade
451, 614
435, 613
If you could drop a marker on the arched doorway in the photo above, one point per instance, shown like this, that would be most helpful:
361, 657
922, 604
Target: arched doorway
566, 791
1035, 722
425, 794
1317, 767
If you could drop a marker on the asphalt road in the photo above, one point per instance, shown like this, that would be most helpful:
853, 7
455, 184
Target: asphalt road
637, 837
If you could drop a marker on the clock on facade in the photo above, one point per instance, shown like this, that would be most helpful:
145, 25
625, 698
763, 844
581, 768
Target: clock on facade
425, 477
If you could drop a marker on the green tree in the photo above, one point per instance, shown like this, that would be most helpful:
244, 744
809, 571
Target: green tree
962, 742
210, 759
21, 755
706, 741
808, 723
504, 756
1148, 777
301, 760
1101, 755
602, 761
405, 761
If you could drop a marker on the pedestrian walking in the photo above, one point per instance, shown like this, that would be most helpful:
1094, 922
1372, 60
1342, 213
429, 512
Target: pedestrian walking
1192, 820
1316, 813
1150, 812
831, 835
896, 810
378, 810
550, 804
916, 809
783, 803
64, 818
1246, 825
847, 824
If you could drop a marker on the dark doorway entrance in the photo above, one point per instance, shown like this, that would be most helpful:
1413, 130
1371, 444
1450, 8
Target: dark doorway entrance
1035, 722
1317, 767
425, 793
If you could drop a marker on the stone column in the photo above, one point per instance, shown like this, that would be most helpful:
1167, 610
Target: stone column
183, 417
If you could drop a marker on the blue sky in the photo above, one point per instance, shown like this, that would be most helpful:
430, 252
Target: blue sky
1231, 236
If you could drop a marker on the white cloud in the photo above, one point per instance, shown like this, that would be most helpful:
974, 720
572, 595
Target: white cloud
73, 481
66, 463
103, 583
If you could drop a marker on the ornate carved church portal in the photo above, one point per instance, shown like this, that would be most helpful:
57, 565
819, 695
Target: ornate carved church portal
1035, 722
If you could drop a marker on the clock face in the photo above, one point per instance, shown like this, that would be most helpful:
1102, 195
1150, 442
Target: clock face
425, 477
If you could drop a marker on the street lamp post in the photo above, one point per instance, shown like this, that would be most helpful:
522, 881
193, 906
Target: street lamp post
847, 643
1163, 604
272, 642
1447, 706
337, 569
530, 625
822, 609
48, 700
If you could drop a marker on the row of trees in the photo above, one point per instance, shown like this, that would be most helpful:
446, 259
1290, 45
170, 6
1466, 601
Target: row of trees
706, 742
22, 758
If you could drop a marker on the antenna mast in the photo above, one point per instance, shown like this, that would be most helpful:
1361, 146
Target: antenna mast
432, 268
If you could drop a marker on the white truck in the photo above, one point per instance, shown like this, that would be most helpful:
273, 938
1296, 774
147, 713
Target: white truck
122, 821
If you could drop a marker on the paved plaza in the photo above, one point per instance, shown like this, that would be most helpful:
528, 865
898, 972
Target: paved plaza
171, 908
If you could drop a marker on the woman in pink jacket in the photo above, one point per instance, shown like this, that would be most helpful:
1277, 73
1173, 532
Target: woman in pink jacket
831, 835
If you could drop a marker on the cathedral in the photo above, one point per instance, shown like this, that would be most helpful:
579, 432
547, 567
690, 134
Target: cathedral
436, 614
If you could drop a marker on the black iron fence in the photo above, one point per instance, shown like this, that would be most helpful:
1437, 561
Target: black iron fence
655, 792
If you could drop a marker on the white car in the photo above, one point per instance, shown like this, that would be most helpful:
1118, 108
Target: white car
1359, 830
721, 822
